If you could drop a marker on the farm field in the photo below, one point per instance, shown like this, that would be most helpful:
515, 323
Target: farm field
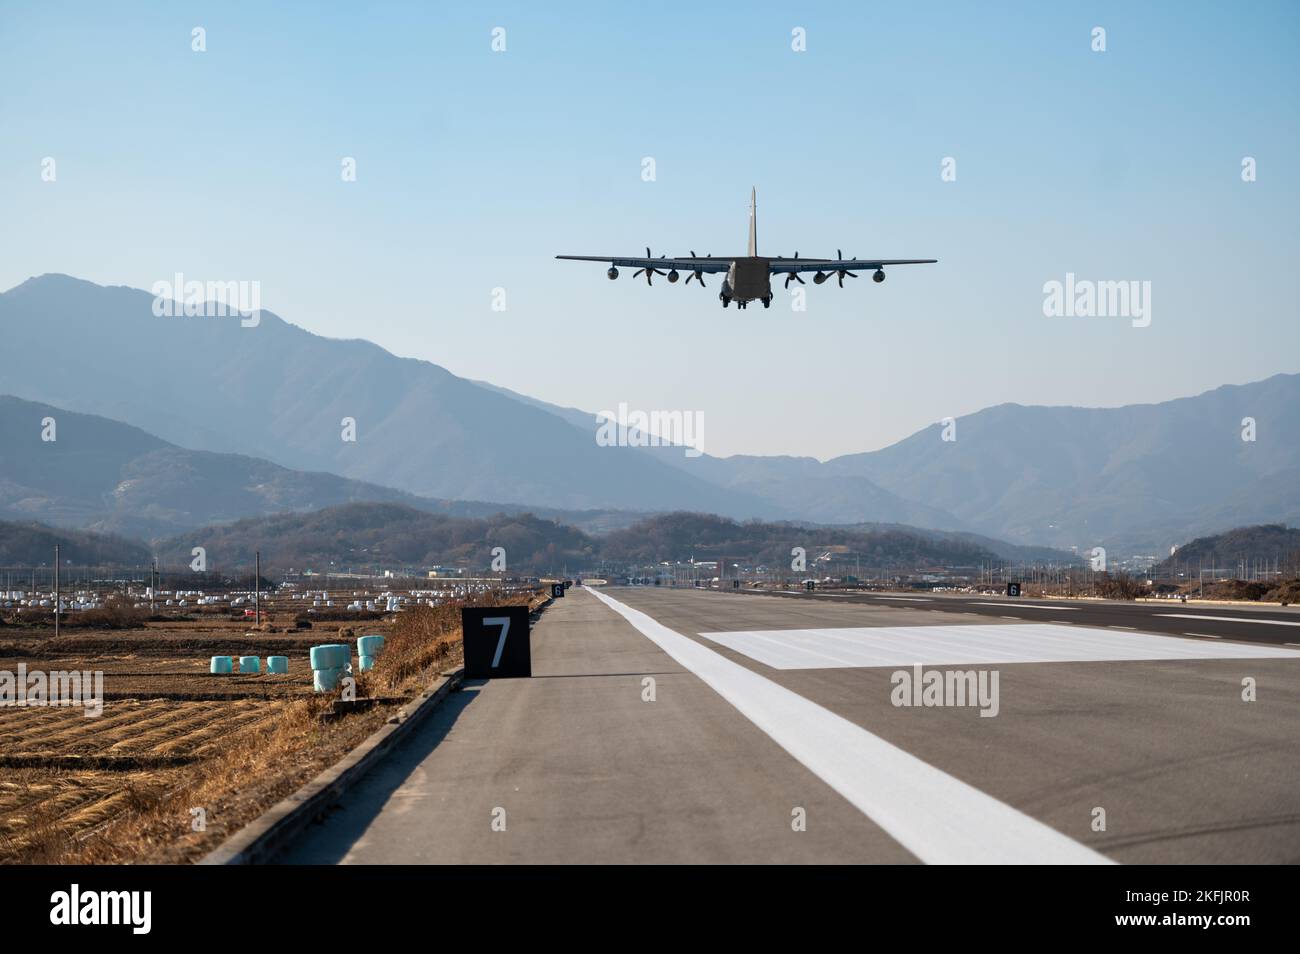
180, 758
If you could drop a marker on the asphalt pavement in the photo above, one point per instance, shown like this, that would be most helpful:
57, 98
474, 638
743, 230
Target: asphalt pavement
689, 726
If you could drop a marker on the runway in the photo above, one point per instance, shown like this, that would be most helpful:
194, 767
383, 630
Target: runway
778, 736
1242, 622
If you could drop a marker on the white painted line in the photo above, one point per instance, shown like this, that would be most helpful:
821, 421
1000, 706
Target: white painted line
1011, 617
906, 599
1233, 619
1113, 626
992, 643
937, 817
1203, 635
1042, 606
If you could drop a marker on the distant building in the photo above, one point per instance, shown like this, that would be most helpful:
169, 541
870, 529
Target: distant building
445, 572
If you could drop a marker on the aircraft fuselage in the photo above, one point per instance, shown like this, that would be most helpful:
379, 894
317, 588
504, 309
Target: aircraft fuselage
748, 279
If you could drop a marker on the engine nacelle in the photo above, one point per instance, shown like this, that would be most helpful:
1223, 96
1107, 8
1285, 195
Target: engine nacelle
673, 276
612, 273
819, 278
879, 276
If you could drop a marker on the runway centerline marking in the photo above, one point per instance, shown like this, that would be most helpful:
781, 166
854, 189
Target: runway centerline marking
1041, 606
896, 647
937, 817
1232, 619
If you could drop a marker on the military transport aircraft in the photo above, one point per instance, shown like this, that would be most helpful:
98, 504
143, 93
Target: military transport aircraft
749, 277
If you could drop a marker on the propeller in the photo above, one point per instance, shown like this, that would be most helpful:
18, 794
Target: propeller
839, 257
697, 274
794, 276
649, 270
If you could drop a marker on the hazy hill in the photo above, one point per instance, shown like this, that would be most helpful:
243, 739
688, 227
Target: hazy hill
364, 536
104, 475
1134, 478
280, 393
1009, 553
686, 536
1060, 475
389, 536
794, 485
1266, 542
28, 544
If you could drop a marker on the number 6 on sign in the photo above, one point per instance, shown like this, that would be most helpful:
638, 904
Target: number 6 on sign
496, 642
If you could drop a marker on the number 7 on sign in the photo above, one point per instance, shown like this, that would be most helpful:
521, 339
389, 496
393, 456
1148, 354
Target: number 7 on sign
483, 660
504, 623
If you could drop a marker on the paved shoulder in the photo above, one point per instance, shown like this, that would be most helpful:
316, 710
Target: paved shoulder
611, 753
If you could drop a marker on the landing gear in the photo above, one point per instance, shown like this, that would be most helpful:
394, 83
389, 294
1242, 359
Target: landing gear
767, 302
725, 300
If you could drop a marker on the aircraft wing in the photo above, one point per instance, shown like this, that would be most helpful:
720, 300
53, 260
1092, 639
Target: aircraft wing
708, 264
785, 265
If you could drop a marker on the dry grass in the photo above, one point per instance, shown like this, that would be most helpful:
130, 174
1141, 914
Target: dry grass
425, 640
116, 613
150, 760
253, 769
116, 818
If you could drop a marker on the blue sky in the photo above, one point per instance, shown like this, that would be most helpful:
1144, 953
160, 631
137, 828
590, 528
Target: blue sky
475, 168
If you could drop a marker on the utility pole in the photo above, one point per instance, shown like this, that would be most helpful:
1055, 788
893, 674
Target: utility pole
56, 590
257, 587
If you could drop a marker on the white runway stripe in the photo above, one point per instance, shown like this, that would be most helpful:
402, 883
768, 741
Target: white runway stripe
1233, 619
938, 818
1043, 606
994, 643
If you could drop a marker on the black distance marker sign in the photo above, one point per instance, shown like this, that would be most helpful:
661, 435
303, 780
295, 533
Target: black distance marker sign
1013, 589
557, 590
496, 642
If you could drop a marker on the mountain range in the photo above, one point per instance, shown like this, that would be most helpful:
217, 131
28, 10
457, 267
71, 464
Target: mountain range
277, 392
227, 421
394, 536
113, 478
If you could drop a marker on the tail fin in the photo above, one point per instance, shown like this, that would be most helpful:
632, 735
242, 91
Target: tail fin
753, 223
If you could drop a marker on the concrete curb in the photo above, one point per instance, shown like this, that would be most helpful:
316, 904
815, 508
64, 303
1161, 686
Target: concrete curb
258, 841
